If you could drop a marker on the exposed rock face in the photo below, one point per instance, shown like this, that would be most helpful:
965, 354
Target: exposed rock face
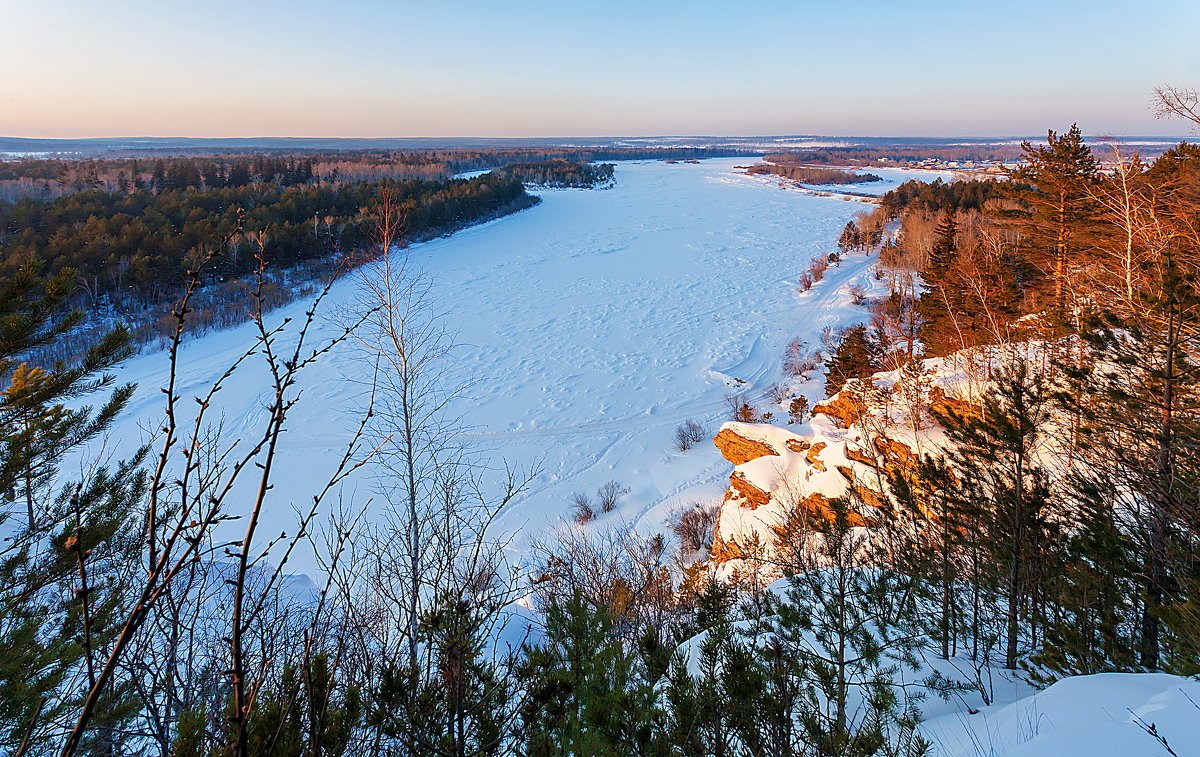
739, 449
751, 496
854, 443
846, 407
777, 473
723, 551
813, 455
898, 455
942, 404
818, 506
858, 456
796, 445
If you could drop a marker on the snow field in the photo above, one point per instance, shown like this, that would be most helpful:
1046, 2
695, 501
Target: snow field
589, 327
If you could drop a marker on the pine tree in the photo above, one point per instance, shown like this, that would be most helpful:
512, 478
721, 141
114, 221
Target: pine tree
851, 238
941, 304
941, 255
1060, 209
1001, 489
848, 631
588, 695
925, 534
1144, 428
856, 356
308, 711
64, 566
457, 701
1091, 614
708, 714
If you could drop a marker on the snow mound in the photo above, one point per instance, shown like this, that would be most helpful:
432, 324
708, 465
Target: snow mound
1081, 716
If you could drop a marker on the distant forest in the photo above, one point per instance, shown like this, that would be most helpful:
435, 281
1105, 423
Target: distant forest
1009, 153
129, 253
809, 175
138, 244
40, 179
559, 173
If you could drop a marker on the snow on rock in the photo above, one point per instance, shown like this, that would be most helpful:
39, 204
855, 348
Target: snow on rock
739, 449
776, 470
872, 429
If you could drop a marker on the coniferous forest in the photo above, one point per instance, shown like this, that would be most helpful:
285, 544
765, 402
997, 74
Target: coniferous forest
810, 175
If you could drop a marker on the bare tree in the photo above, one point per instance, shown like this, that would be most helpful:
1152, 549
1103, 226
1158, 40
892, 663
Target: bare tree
1177, 102
189, 498
688, 434
407, 340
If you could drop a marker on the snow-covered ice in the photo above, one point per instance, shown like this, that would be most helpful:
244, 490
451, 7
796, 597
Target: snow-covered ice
591, 324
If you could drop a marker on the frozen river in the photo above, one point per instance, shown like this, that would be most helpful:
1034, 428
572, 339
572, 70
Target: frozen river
590, 326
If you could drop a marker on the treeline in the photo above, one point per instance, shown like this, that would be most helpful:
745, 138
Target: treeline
1008, 152
809, 175
138, 244
42, 179
130, 251
901, 154
560, 173
938, 195
990, 262
55, 178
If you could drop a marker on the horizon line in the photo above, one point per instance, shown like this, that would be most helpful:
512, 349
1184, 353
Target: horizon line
665, 135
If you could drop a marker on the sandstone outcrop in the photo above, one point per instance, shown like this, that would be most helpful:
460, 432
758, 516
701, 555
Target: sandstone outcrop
854, 443
846, 407
739, 449
741, 488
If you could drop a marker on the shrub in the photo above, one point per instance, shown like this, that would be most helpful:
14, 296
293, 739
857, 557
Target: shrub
858, 293
798, 360
817, 266
688, 434
694, 525
608, 495
740, 409
778, 393
581, 509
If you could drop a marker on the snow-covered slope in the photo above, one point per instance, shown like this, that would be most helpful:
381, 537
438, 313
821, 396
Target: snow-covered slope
1103, 715
592, 325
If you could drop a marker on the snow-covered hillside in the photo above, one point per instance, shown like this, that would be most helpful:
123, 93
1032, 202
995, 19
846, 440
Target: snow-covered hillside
591, 325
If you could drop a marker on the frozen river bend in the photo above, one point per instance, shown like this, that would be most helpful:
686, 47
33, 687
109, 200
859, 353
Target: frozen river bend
590, 326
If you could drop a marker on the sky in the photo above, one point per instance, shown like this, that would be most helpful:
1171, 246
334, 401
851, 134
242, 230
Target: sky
545, 68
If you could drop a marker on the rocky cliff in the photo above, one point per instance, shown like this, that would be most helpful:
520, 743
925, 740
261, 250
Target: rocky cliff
854, 441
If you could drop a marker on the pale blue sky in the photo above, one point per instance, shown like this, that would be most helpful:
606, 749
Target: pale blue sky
73, 68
